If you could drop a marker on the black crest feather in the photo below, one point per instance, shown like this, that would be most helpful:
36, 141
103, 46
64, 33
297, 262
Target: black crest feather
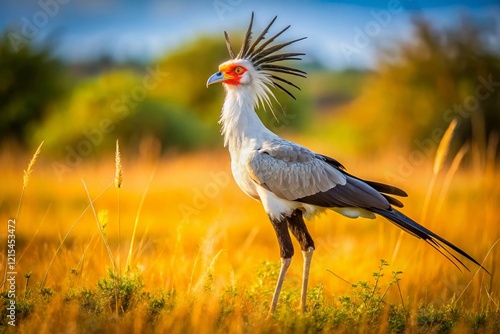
264, 55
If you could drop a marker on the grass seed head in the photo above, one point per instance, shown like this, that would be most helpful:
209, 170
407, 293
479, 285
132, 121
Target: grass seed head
444, 146
118, 167
28, 171
102, 217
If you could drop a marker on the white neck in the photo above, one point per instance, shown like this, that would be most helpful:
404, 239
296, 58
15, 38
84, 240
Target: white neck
240, 123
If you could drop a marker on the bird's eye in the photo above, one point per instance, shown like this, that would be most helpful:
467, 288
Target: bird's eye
238, 70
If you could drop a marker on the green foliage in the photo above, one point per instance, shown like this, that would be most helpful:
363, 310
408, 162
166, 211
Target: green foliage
425, 82
114, 294
418, 87
26, 303
123, 299
176, 110
333, 89
102, 109
397, 318
160, 302
172, 124
367, 300
267, 273
92, 112
189, 68
442, 319
31, 80
120, 292
90, 302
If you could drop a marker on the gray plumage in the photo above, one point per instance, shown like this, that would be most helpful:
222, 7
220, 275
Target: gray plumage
291, 171
295, 173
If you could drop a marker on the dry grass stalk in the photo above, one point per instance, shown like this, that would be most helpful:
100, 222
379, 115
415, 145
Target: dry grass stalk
26, 178
491, 150
100, 226
478, 141
129, 257
118, 184
478, 270
449, 176
444, 147
28, 171
118, 167
44, 280
441, 154
240, 286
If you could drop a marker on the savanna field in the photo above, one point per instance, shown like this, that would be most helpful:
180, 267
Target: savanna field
119, 213
204, 257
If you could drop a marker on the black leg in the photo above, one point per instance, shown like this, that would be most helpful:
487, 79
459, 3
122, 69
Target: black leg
286, 253
299, 230
284, 240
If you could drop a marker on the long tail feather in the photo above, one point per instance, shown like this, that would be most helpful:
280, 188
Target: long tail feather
428, 236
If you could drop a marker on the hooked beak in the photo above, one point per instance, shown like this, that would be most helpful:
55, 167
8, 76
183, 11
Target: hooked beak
216, 77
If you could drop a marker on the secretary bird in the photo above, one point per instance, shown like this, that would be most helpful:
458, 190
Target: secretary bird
289, 180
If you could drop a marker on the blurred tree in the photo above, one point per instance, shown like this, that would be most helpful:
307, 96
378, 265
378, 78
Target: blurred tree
188, 69
422, 84
31, 79
88, 114
166, 103
116, 104
172, 125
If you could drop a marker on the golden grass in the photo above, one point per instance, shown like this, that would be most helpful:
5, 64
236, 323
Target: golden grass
455, 164
439, 159
26, 178
31, 164
220, 244
118, 184
118, 166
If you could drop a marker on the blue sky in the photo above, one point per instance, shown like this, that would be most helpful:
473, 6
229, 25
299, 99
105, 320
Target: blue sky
146, 29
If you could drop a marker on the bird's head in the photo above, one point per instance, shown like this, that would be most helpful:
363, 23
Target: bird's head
257, 64
234, 72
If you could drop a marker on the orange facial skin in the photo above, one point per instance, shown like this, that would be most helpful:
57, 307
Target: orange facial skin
232, 73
